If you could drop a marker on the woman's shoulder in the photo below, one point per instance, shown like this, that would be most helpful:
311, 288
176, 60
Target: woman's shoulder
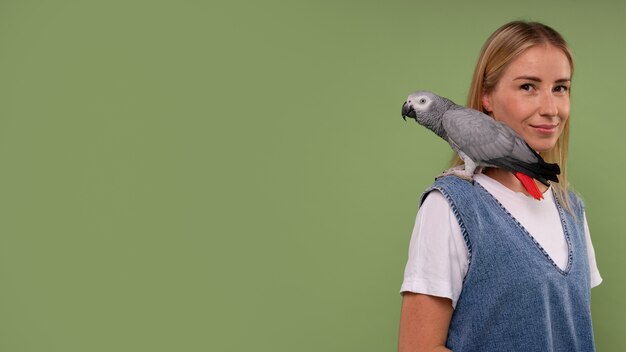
575, 196
574, 199
454, 189
450, 182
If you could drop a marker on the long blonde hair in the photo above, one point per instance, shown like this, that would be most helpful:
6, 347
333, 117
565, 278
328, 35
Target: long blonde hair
501, 48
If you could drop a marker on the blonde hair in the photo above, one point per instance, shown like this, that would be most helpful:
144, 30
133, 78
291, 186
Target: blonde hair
501, 48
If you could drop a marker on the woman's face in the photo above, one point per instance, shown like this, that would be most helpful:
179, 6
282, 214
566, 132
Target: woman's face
532, 96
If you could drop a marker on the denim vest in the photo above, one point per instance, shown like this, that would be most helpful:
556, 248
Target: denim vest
514, 297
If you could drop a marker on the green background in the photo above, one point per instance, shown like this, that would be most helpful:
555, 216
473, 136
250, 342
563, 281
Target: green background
235, 175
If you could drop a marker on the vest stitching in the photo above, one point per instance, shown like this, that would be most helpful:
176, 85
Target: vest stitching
570, 258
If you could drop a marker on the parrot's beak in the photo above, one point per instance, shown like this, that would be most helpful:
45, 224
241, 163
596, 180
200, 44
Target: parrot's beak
407, 111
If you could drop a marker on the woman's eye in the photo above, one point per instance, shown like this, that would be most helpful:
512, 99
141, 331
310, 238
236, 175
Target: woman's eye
561, 89
526, 86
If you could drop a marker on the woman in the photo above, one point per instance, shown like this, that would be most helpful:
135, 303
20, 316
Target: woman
490, 268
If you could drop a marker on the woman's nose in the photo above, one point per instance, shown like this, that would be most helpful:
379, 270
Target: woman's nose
548, 105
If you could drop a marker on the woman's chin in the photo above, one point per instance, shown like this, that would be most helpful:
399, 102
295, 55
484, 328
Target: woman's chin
541, 146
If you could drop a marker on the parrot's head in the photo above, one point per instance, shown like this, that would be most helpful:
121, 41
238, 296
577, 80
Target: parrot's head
425, 107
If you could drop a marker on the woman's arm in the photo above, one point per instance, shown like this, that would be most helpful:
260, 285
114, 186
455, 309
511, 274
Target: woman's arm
424, 322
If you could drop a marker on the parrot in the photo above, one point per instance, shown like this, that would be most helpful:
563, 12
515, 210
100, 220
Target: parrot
480, 141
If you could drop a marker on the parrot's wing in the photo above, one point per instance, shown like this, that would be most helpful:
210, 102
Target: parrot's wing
482, 138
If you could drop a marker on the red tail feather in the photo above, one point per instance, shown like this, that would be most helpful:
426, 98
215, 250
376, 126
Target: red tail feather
530, 185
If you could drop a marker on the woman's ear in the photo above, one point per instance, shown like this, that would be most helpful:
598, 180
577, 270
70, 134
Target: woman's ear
486, 101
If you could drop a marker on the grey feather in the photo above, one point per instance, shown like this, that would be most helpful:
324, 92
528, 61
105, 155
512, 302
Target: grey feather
482, 138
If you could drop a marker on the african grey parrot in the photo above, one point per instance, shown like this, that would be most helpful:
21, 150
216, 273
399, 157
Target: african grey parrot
479, 140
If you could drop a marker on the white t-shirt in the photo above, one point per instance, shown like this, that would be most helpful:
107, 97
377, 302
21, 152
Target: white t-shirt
438, 257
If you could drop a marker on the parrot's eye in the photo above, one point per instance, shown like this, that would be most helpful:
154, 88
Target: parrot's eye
422, 101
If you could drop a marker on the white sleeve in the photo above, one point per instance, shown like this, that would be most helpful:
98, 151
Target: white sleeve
438, 256
596, 279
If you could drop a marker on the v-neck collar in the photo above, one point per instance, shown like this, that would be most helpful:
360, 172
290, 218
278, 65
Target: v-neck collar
510, 216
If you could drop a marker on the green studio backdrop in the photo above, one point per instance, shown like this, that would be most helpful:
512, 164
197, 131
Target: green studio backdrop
235, 175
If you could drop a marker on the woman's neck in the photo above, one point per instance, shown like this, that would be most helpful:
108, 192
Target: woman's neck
508, 180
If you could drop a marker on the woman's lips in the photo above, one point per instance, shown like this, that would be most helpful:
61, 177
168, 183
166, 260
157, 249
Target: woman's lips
545, 128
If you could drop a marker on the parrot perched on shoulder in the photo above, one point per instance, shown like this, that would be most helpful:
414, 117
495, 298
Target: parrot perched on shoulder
480, 140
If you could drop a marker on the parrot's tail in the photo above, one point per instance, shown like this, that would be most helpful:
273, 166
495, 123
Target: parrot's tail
530, 185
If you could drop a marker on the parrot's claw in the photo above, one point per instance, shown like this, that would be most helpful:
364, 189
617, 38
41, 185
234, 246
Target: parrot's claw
460, 172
